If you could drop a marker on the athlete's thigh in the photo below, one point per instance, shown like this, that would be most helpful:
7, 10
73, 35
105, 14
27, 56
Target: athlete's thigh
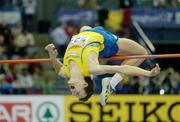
130, 47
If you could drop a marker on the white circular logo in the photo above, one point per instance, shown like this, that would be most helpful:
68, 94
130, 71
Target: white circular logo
48, 112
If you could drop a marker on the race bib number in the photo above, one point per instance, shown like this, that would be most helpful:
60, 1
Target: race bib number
79, 40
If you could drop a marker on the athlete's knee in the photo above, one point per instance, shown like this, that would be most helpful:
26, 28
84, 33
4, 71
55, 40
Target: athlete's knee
84, 28
144, 51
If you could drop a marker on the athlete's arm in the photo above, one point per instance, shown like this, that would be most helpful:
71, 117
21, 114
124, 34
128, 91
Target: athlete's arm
96, 69
58, 66
127, 70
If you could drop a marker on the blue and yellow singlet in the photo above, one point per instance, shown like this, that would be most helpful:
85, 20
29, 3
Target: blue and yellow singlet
95, 39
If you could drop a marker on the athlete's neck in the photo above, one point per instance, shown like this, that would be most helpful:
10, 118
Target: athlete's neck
75, 72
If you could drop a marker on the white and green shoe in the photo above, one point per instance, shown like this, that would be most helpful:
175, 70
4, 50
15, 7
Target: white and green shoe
107, 90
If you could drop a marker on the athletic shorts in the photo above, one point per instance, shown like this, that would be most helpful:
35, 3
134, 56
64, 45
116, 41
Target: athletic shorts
110, 42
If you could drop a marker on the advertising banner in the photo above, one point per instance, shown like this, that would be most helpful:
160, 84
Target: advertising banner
79, 16
124, 108
146, 17
36, 108
120, 108
156, 17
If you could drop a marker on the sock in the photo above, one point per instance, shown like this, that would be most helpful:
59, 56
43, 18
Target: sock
115, 80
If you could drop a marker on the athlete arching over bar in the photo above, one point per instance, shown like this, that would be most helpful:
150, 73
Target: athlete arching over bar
81, 61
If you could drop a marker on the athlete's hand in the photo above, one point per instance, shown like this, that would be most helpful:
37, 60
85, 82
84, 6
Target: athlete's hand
51, 50
155, 71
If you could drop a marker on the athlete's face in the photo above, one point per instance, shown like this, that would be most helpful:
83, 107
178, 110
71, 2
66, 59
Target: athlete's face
77, 89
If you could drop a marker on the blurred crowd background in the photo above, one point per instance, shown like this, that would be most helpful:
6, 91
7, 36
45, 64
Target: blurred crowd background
27, 26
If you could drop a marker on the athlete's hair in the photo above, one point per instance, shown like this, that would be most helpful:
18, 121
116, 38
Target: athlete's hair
89, 89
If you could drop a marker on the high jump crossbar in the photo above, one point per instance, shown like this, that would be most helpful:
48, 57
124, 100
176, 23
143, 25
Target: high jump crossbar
117, 57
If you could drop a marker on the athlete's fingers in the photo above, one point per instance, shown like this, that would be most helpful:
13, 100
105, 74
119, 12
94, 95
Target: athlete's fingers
158, 68
50, 47
53, 47
46, 48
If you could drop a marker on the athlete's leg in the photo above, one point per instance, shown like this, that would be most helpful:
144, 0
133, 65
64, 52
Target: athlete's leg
130, 47
126, 47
